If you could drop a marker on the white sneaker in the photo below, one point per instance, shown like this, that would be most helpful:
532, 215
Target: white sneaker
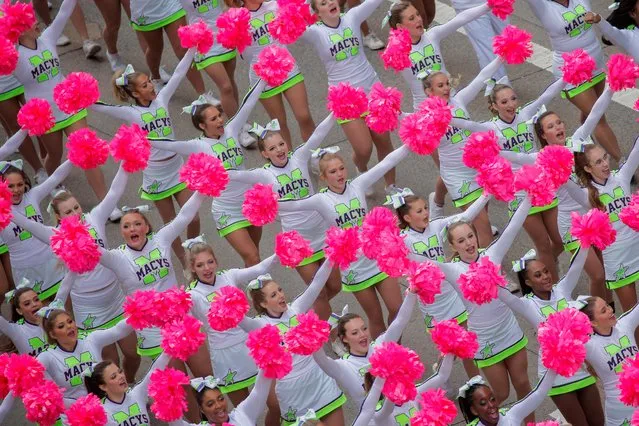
116, 62
63, 41
115, 215
40, 176
158, 84
494, 230
373, 42
210, 98
165, 75
435, 210
513, 287
91, 48
246, 139
50, 5
392, 189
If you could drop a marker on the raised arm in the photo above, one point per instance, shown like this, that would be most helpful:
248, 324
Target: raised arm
6, 406
578, 193
121, 112
450, 270
519, 157
235, 123
440, 32
438, 380
468, 93
103, 338
112, 259
343, 375
367, 179
251, 177
361, 12
189, 147
497, 250
305, 301
631, 318
254, 405
102, 211
568, 283
249, 324
54, 31
38, 230
314, 142
618, 37
598, 110
180, 71
243, 276
529, 404
548, 95
473, 126
472, 212
315, 202
519, 306
65, 287
172, 230
142, 388
13, 143
367, 411
396, 328
629, 168
44, 189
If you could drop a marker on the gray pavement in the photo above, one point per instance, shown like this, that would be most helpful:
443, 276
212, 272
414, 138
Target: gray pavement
416, 172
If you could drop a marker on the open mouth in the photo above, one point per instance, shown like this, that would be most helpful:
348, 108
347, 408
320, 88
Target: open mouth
71, 333
334, 10
135, 238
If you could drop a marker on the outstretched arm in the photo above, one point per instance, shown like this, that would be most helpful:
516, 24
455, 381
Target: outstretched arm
243, 276
171, 231
497, 250
121, 112
343, 375
249, 324
189, 147
468, 93
473, 126
438, 379
519, 306
235, 123
529, 404
367, 411
578, 193
45, 188
598, 110
6, 406
366, 180
548, 95
251, 177
65, 287
629, 168
102, 211
361, 12
54, 31
180, 71
315, 202
13, 143
568, 283
306, 299
316, 138
621, 38
396, 328
142, 388
254, 405
38, 230
104, 338
519, 157
440, 32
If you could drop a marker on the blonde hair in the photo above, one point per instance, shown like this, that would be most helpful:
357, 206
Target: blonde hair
427, 81
324, 159
192, 252
492, 97
125, 93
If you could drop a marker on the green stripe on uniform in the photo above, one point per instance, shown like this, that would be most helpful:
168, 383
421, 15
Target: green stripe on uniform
297, 78
234, 227
109, 324
159, 24
216, 59
613, 285
324, 411
571, 387
571, 93
4, 249
12, 93
352, 119
236, 386
468, 198
513, 349
152, 353
352, 288
317, 256
50, 292
60, 125
155, 196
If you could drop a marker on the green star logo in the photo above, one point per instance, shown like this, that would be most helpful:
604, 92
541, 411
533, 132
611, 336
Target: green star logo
514, 204
620, 274
291, 414
153, 187
428, 320
225, 218
465, 188
229, 378
88, 322
350, 278
37, 287
625, 422
487, 350
142, 20
140, 341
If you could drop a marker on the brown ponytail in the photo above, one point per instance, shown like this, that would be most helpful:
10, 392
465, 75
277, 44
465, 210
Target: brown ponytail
404, 209
125, 93
396, 13
492, 97
581, 161
539, 129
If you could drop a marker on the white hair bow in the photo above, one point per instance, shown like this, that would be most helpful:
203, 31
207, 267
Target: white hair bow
520, 265
87, 372
190, 242
491, 83
50, 205
123, 80
144, 208
260, 132
199, 383
390, 10
4, 165
578, 144
477, 380
24, 283
335, 317
258, 282
397, 199
577, 304
46, 310
320, 152
423, 74
189, 109
535, 118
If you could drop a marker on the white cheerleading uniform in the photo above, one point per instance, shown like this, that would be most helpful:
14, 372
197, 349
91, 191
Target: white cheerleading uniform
306, 386
606, 355
227, 208
232, 364
10, 87
627, 39
427, 54
429, 244
28, 338
149, 15
151, 266
13, 143
160, 179
65, 368
346, 210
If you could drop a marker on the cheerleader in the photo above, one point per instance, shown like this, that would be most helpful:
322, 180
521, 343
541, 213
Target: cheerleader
577, 397
160, 179
288, 173
293, 88
25, 330
343, 204
221, 139
611, 343
293, 391
620, 27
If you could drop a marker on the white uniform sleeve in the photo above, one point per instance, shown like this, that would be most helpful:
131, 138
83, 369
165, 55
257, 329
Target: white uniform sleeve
519, 157
367, 411
367, 179
618, 37
65, 287
305, 301
578, 193
529, 404
472, 212
13, 143
518, 306
383, 416
180, 71
142, 388
629, 168
112, 259
313, 203
360, 13
253, 406
234, 125
473, 126
102, 338
40, 231
568, 283
250, 177
172, 230
631, 318
7, 328
439, 379
39, 192
192, 146
339, 372
6, 406
314, 142
54, 31
249, 324
548, 95
102, 211
436, 34
497, 250
243, 276
468, 93
395, 329
121, 112
597, 111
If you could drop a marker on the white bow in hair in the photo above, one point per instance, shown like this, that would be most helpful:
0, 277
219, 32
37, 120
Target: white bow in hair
190, 242
614, 6
577, 304
520, 265
260, 132
320, 152
491, 83
123, 80
390, 10
397, 199
46, 310
578, 144
4, 165
258, 282
24, 283
189, 109
50, 205
335, 317
423, 74
199, 383
535, 118
87, 372
477, 380
144, 208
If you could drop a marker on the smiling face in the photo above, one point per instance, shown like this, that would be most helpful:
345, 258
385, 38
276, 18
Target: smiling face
274, 299
115, 384
538, 277
17, 186
275, 149
214, 406
598, 164
603, 316
484, 405
334, 173
464, 241
212, 122
357, 337
410, 19
438, 84
553, 130
64, 331
505, 102
28, 305
134, 228
204, 267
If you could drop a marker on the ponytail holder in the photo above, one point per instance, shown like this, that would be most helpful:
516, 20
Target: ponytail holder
578, 144
199, 383
520, 265
190, 242
123, 80
190, 109
44, 312
258, 282
477, 380
50, 205
260, 132
87, 372
144, 208
335, 317
535, 118
614, 6
388, 14
320, 152
24, 283
397, 199
4, 165
491, 83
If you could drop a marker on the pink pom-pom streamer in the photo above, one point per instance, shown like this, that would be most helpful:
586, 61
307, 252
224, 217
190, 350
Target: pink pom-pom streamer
169, 397
557, 163
86, 150
436, 409
399, 45
6, 205
76, 92
260, 204
4, 382
8, 55
629, 382
234, 29
140, 310
86, 411
630, 214
131, 146
292, 248
75, 246
204, 173
182, 338
265, 346
532, 179
174, 303
501, 8
346, 102
375, 222
400, 367
480, 148
273, 65
425, 280
497, 178
562, 341
437, 113
392, 257
291, 21
452, 338
17, 18
198, 35
36, 117
308, 336
414, 132
622, 72
578, 67
228, 308
44, 403
635, 419
546, 423
23, 373
479, 283
384, 105
342, 246
593, 228
513, 45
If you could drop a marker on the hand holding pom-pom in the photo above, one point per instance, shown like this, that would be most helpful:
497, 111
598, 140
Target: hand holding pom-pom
36, 117
234, 29
9, 57
497, 177
342, 246
197, 35
75, 246
182, 338
86, 150
44, 403
228, 308
266, 349
23, 373
480, 148
4, 382
578, 67
451, 338
593, 228
501, 8
400, 367
399, 45
204, 173
533, 180
140, 310
308, 336
557, 163
436, 409
375, 222
622, 72
392, 258
292, 248
86, 411
635, 419
169, 397
425, 280
6, 205
131, 146
438, 114
385, 105
291, 21
260, 205
629, 381
17, 17
628, 215
174, 304
479, 283
76, 92
346, 102
273, 65
513, 45
562, 340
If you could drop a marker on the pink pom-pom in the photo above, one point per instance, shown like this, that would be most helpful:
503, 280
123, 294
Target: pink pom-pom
204, 173
593, 228
234, 28
131, 146
9, 55
273, 65
425, 280
438, 114
546, 423
346, 102
622, 72
479, 283
292, 248
182, 338
44, 403
392, 257
17, 18
532, 179
452, 338
86, 411
75, 246
578, 67
342, 246
140, 310
384, 105
562, 341
436, 409
414, 132
497, 178
375, 222
557, 163
4, 382
86, 150
197, 34
400, 367
6, 205
480, 148
174, 303
630, 214
260, 204
169, 397
513, 45
629, 382
309, 335
76, 92
23, 373
398, 48
36, 117
228, 308
635, 419
291, 21
265, 346
502, 8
